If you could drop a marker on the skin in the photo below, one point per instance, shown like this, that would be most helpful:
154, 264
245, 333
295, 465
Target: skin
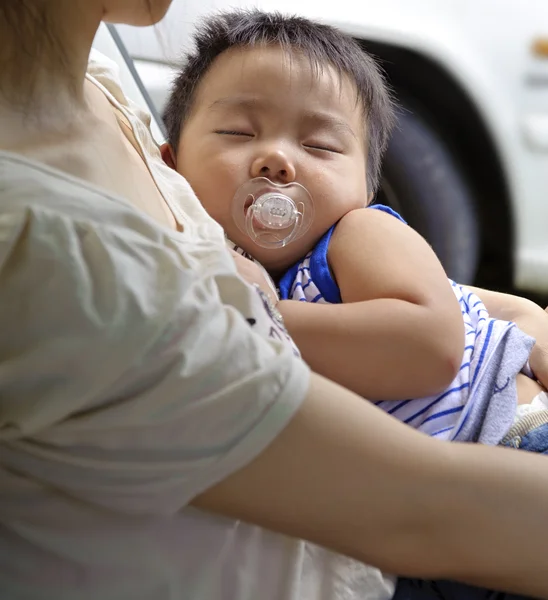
532, 320
412, 510
254, 115
314, 136
74, 128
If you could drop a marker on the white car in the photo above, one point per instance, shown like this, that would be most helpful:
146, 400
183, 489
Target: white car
468, 166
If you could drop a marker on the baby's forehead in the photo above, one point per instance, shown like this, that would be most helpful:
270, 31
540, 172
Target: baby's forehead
251, 68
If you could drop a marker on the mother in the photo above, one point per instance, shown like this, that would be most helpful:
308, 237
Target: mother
148, 401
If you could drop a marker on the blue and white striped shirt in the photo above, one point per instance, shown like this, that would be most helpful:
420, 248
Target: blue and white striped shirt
480, 403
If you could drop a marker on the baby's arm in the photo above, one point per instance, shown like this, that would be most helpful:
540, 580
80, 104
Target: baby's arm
399, 332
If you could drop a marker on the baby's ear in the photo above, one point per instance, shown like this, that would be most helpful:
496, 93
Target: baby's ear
168, 155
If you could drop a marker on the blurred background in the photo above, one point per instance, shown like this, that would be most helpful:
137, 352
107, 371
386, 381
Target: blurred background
468, 165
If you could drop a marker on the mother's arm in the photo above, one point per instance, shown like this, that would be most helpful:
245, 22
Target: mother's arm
347, 476
164, 388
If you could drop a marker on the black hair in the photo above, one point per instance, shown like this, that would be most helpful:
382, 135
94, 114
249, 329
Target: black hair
322, 44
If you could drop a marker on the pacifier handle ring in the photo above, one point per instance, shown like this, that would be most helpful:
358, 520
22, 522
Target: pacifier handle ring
295, 229
255, 236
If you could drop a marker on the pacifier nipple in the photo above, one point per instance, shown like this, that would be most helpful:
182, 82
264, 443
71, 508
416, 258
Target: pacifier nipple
272, 215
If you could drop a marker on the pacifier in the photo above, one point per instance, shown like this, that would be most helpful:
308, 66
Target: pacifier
272, 215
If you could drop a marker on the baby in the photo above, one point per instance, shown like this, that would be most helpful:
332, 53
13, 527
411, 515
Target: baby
279, 125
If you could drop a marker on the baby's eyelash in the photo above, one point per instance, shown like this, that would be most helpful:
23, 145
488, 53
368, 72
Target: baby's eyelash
230, 132
323, 148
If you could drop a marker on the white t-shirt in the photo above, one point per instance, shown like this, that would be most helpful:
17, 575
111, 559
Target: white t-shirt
136, 370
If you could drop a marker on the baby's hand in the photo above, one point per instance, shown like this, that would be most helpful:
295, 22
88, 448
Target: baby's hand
535, 322
529, 317
256, 275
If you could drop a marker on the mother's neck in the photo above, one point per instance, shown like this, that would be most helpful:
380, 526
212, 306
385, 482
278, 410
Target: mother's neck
44, 51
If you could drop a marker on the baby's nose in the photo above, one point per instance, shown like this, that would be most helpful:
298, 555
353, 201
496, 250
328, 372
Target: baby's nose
274, 165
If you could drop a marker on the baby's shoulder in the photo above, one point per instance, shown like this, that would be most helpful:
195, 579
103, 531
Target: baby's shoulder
366, 229
369, 216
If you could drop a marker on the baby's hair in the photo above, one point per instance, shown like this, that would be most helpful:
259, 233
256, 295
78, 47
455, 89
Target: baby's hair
321, 44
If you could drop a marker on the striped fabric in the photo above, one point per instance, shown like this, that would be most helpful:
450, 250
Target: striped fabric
445, 415
442, 416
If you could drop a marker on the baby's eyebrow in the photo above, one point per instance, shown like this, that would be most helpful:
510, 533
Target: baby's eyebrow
237, 102
329, 121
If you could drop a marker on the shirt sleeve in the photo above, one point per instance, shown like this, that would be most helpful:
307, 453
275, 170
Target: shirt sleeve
137, 369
